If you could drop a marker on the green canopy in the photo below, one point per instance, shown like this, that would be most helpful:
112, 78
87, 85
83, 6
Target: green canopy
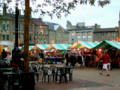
83, 44
58, 46
108, 44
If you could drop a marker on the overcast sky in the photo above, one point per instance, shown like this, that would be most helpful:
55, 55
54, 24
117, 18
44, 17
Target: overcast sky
108, 16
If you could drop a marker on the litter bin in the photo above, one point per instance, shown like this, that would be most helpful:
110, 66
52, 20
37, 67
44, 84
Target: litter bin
28, 81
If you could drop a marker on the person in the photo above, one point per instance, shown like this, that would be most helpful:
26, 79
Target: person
80, 59
9, 57
16, 60
105, 60
4, 54
3, 61
67, 58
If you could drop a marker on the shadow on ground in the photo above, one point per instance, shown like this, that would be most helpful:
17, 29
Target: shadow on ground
75, 84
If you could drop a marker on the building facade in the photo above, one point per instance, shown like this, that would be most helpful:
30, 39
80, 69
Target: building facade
101, 34
38, 30
79, 32
57, 34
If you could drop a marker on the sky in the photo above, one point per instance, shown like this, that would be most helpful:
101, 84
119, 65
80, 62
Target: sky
107, 17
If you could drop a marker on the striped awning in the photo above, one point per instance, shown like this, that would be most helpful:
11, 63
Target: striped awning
108, 44
40, 46
83, 44
29, 47
58, 46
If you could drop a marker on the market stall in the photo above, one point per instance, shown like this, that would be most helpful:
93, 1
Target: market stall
58, 51
40, 46
113, 48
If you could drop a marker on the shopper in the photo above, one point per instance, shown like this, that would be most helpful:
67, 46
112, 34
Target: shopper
105, 60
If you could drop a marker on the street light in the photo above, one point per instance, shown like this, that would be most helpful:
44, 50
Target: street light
15, 52
16, 28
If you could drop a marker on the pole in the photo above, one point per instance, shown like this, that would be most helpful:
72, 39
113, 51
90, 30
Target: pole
26, 35
16, 33
16, 27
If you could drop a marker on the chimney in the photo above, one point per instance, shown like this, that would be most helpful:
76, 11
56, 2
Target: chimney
4, 9
68, 25
97, 26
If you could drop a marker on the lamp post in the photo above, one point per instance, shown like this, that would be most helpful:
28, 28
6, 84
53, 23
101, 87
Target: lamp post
16, 49
16, 28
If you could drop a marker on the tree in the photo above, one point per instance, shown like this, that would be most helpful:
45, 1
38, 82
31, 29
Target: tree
56, 7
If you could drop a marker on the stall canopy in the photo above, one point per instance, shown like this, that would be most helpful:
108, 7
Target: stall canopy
22, 47
83, 44
58, 46
108, 44
40, 46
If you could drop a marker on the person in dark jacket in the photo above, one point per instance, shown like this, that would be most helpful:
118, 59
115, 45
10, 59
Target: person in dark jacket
67, 58
4, 54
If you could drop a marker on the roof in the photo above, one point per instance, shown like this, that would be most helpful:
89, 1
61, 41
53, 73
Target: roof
54, 26
51, 25
105, 29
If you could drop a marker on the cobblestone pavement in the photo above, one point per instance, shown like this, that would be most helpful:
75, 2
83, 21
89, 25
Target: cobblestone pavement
85, 79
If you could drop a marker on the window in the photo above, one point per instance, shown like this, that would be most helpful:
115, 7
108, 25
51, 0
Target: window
96, 34
8, 27
89, 33
102, 34
7, 37
113, 34
73, 34
107, 34
78, 34
13, 26
3, 37
44, 31
84, 33
22, 27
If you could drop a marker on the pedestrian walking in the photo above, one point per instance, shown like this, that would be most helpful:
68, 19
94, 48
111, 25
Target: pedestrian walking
105, 60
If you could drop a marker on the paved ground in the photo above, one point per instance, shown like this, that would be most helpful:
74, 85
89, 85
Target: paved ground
85, 79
